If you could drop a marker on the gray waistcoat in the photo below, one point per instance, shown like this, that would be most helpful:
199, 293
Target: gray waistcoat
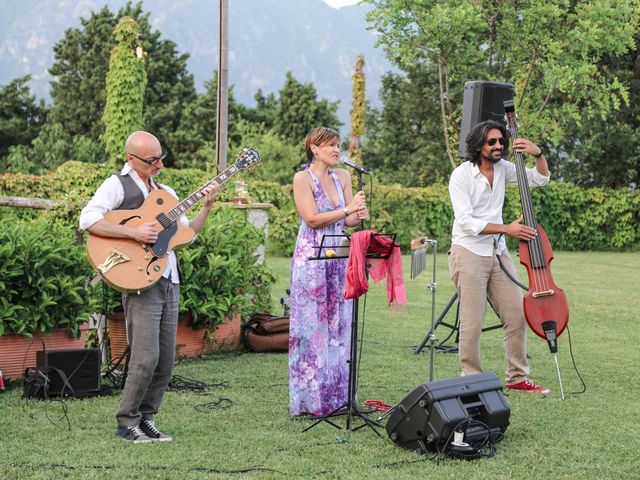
133, 196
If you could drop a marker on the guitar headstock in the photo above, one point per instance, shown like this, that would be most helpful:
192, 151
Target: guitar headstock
247, 158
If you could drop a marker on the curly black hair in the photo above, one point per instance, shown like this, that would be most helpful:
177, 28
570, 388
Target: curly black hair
476, 138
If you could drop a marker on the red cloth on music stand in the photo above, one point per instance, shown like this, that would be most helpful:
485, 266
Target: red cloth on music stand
368, 242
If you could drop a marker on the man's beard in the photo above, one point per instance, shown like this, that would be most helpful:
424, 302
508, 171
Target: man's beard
493, 159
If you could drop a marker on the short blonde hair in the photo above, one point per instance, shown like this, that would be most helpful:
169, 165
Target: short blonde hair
319, 136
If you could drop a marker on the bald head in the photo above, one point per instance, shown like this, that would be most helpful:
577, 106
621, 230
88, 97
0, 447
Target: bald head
144, 154
140, 142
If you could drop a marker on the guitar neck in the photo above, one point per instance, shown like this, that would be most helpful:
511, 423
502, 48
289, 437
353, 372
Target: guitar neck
189, 202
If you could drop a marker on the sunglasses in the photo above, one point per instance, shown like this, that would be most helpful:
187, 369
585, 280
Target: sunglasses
492, 141
152, 160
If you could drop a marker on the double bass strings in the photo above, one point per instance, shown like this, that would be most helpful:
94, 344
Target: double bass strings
535, 248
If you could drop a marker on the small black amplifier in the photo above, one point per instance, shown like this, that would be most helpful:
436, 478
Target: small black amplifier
81, 366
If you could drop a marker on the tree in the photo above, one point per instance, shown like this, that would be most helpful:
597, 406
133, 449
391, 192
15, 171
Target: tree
280, 159
126, 81
607, 151
52, 147
299, 110
194, 141
20, 115
265, 112
80, 68
358, 110
404, 141
551, 50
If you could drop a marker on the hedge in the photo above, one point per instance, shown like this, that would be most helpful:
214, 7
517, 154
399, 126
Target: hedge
574, 218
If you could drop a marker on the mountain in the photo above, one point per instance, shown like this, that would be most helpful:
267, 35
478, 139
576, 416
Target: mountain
267, 38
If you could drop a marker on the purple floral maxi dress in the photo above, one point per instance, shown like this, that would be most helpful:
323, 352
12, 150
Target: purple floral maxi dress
320, 318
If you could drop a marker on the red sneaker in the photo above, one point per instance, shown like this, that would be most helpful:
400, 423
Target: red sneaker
528, 386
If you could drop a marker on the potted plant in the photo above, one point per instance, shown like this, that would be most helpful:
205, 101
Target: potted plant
221, 285
43, 292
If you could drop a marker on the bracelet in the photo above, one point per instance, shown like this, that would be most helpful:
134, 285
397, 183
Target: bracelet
539, 155
346, 211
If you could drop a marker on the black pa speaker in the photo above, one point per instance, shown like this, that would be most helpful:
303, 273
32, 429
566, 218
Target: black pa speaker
427, 418
81, 367
482, 101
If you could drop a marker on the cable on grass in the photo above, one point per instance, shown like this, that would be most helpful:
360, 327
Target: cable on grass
179, 383
39, 466
219, 404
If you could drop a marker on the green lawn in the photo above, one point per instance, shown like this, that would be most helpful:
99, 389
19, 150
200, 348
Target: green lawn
592, 435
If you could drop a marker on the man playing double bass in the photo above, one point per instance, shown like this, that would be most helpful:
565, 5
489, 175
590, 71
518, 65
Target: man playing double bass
477, 189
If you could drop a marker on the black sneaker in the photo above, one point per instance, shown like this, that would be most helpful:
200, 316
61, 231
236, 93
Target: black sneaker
149, 428
133, 434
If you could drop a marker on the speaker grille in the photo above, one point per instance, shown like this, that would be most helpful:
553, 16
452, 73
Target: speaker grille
482, 101
81, 366
425, 419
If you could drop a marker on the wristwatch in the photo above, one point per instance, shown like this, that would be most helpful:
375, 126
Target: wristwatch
346, 211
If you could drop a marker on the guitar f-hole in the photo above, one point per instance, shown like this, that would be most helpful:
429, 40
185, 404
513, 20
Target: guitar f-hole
150, 263
128, 219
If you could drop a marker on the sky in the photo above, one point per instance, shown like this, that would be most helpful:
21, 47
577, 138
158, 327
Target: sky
340, 3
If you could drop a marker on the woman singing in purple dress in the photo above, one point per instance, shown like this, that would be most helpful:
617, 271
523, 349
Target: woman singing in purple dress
320, 319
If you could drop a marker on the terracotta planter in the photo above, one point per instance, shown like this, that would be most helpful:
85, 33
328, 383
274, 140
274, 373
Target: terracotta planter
117, 332
189, 342
13, 349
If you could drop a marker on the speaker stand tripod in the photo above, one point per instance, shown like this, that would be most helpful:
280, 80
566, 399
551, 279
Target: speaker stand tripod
454, 328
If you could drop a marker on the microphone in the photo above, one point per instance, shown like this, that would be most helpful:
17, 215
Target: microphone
355, 166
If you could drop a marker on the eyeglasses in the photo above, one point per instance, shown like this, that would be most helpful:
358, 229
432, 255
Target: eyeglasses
152, 160
492, 141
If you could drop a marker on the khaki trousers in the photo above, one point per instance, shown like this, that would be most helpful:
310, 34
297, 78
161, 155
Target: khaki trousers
477, 278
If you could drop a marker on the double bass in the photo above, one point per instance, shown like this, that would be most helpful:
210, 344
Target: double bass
545, 305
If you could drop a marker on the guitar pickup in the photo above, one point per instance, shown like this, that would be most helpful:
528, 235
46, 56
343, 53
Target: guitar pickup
546, 293
115, 257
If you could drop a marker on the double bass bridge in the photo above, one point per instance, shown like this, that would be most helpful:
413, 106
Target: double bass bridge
545, 293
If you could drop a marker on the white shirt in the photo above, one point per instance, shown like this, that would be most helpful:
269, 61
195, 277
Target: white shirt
475, 203
110, 195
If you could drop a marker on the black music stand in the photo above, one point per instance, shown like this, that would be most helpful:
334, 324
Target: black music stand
351, 409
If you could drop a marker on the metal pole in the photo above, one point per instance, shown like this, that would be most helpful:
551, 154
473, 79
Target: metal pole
432, 286
223, 89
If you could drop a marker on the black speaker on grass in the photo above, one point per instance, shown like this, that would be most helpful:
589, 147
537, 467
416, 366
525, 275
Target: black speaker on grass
427, 418
81, 367
482, 101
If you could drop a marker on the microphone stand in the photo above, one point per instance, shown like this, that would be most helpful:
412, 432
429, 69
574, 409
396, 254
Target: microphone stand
353, 356
360, 187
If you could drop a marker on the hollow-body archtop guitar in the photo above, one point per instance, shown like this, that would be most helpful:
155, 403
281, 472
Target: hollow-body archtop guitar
131, 266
